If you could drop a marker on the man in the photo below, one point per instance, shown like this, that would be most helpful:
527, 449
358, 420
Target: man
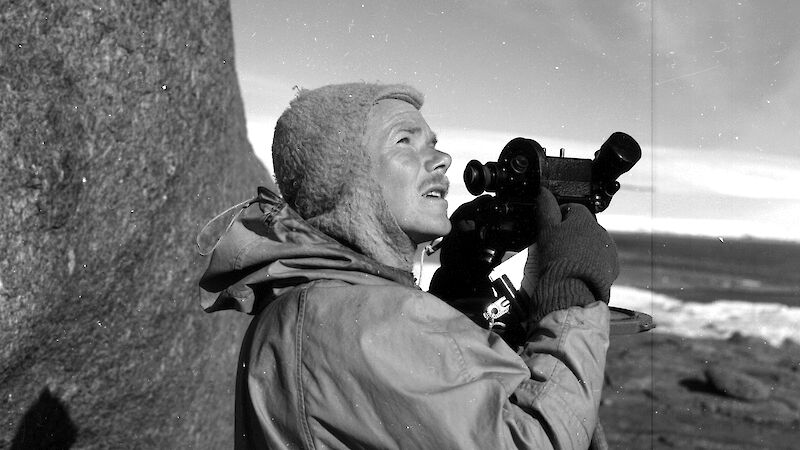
344, 350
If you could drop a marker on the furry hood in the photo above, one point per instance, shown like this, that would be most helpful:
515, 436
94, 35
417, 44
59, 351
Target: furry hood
324, 171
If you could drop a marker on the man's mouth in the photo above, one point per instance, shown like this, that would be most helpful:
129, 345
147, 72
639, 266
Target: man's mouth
436, 192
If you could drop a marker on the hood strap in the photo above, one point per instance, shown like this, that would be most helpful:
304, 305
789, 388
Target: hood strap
205, 250
264, 197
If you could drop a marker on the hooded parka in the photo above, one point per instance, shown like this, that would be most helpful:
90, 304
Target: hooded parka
344, 352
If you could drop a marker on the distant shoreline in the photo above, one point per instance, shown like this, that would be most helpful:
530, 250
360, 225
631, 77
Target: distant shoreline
745, 238
704, 269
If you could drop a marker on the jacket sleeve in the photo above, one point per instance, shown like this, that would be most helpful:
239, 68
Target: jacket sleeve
463, 387
566, 356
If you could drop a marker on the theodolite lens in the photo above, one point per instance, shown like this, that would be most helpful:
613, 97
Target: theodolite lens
479, 177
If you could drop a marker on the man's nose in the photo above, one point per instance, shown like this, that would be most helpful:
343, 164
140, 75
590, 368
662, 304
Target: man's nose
438, 160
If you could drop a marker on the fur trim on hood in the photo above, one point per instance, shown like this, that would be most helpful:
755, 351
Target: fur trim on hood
324, 171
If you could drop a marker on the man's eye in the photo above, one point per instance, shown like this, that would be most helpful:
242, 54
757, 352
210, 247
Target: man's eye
404, 140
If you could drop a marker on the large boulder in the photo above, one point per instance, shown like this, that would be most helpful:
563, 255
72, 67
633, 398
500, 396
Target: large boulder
121, 133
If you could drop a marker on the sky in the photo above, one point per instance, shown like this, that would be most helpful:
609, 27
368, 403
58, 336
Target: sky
708, 88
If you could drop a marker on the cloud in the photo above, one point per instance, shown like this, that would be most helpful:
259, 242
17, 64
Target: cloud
676, 190
734, 174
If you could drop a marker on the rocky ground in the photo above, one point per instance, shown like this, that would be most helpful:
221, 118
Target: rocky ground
665, 391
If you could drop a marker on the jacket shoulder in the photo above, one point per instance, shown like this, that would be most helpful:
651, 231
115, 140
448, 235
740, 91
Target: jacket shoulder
384, 304
396, 329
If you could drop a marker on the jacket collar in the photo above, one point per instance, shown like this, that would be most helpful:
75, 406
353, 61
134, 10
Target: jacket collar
268, 248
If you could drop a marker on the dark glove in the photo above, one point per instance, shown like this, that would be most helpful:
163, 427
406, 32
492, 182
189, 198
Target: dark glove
575, 260
464, 266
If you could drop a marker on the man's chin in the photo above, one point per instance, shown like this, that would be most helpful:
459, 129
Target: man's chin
446, 228
432, 234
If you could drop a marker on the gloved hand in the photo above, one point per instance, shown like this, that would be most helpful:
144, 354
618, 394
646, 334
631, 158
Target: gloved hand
464, 269
575, 259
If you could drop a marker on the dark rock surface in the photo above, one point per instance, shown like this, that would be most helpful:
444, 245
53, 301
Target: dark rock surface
121, 133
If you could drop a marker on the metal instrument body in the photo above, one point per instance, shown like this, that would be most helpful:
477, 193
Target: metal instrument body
523, 168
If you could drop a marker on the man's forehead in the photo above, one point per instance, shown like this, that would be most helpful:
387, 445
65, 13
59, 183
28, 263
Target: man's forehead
394, 107
391, 113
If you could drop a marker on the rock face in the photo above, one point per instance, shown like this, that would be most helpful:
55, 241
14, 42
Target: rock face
121, 133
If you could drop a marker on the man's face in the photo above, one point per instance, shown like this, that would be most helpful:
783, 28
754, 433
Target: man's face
409, 169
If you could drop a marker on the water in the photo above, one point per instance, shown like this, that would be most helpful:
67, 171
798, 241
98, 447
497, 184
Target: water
719, 319
716, 319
